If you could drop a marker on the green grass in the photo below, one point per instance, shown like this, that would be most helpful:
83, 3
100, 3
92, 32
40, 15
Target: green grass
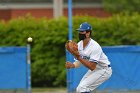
48, 89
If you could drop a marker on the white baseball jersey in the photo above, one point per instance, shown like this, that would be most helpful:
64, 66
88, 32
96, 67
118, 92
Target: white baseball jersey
93, 52
92, 79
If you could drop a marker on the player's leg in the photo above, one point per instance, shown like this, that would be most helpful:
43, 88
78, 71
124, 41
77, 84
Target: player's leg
84, 77
92, 81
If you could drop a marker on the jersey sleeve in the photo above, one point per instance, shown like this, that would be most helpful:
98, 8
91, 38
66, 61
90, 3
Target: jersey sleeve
95, 54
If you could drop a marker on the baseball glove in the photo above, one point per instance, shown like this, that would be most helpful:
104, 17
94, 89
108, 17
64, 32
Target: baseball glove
72, 47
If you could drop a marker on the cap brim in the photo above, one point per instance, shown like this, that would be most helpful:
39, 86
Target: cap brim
80, 30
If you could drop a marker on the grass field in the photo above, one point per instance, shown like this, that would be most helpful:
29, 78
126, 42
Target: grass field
35, 90
49, 90
63, 90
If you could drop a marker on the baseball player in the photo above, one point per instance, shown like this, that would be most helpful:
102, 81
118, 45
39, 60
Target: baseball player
90, 54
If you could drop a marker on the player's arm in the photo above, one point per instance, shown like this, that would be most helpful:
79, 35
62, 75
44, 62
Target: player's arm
94, 57
76, 64
88, 64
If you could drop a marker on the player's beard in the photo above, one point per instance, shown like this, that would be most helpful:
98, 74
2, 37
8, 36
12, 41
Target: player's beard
82, 36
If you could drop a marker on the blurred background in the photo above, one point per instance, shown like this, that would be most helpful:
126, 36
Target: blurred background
46, 21
50, 8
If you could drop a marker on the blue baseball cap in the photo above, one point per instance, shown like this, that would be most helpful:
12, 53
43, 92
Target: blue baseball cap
84, 27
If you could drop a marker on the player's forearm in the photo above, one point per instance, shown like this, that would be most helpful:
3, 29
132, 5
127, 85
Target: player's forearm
88, 64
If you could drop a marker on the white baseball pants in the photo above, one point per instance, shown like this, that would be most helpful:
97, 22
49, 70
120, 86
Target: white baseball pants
92, 79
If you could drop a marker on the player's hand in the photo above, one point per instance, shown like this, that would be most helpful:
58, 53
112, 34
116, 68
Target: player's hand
69, 65
72, 47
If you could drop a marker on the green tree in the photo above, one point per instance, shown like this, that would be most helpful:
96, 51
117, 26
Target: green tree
116, 6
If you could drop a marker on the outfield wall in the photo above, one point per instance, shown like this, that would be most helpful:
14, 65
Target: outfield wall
125, 62
13, 70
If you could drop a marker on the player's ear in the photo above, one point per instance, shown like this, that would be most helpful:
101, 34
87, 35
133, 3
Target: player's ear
88, 34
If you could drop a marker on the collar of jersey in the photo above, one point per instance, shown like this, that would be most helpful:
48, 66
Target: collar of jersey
87, 44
